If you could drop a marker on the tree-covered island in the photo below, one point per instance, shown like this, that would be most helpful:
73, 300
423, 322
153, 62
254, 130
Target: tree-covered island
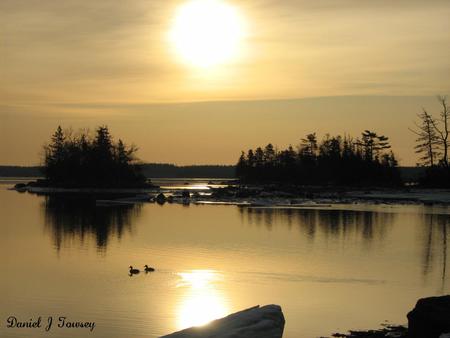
82, 160
366, 161
336, 160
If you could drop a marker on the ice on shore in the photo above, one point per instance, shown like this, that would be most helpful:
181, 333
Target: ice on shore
256, 322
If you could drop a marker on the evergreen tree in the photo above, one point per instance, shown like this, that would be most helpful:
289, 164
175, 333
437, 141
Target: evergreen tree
55, 154
78, 161
269, 154
259, 163
242, 167
373, 145
308, 146
336, 160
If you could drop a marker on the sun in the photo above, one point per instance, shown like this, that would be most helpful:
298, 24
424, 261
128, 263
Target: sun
206, 33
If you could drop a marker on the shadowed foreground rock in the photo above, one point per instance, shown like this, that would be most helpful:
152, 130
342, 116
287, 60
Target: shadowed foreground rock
430, 318
255, 322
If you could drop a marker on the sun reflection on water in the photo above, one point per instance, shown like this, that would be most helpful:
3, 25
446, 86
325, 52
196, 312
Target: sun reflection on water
202, 301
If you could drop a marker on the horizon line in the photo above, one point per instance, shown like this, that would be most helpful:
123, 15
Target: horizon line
231, 100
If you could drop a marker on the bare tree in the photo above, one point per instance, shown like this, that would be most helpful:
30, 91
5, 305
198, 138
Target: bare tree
443, 131
427, 140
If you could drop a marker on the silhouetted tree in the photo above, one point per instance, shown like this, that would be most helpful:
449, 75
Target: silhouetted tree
336, 160
443, 130
427, 140
269, 153
432, 143
287, 161
242, 166
308, 145
373, 144
82, 161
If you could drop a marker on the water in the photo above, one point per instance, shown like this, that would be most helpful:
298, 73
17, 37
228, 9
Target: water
331, 269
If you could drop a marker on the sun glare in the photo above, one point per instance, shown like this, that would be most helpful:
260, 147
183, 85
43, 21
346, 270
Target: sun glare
202, 301
206, 33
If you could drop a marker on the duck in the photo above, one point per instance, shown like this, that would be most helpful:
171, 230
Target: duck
148, 268
133, 271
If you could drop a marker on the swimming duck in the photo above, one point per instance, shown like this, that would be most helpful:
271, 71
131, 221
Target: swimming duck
148, 269
133, 271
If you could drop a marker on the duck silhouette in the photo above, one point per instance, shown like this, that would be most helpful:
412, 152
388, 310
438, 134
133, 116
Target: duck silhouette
133, 271
148, 268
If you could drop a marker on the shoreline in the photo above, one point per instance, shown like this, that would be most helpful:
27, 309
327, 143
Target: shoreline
387, 330
257, 195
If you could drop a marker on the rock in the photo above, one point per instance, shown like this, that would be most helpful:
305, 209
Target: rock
255, 322
161, 199
430, 318
21, 187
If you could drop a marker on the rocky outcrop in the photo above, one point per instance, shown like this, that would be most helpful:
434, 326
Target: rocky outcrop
160, 198
255, 322
430, 318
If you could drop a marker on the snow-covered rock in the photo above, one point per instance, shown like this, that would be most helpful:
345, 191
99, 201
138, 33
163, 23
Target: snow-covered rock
256, 322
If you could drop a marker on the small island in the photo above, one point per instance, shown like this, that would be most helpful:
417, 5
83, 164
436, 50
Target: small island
346, 161
82, 161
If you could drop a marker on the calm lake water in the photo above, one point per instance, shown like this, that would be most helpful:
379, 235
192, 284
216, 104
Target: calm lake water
331, 269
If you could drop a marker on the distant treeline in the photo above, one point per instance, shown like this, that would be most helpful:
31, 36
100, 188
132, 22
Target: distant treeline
336, 160
166, 170
20, 171
150, 170
163, 170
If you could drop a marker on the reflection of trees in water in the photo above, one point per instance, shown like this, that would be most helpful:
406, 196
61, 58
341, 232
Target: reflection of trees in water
370, 225
337, 223
78, 219
436, 230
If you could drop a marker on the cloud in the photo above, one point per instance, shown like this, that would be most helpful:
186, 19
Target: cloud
67, 51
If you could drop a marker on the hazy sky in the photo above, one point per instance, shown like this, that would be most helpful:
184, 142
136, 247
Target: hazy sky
302, 66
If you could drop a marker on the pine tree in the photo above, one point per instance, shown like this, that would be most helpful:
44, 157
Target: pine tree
123, 156
78, 161
336, 160
251, 159
241, 166
259, 157
373, 145
55, 155
269, 154
308, 145
57, 145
